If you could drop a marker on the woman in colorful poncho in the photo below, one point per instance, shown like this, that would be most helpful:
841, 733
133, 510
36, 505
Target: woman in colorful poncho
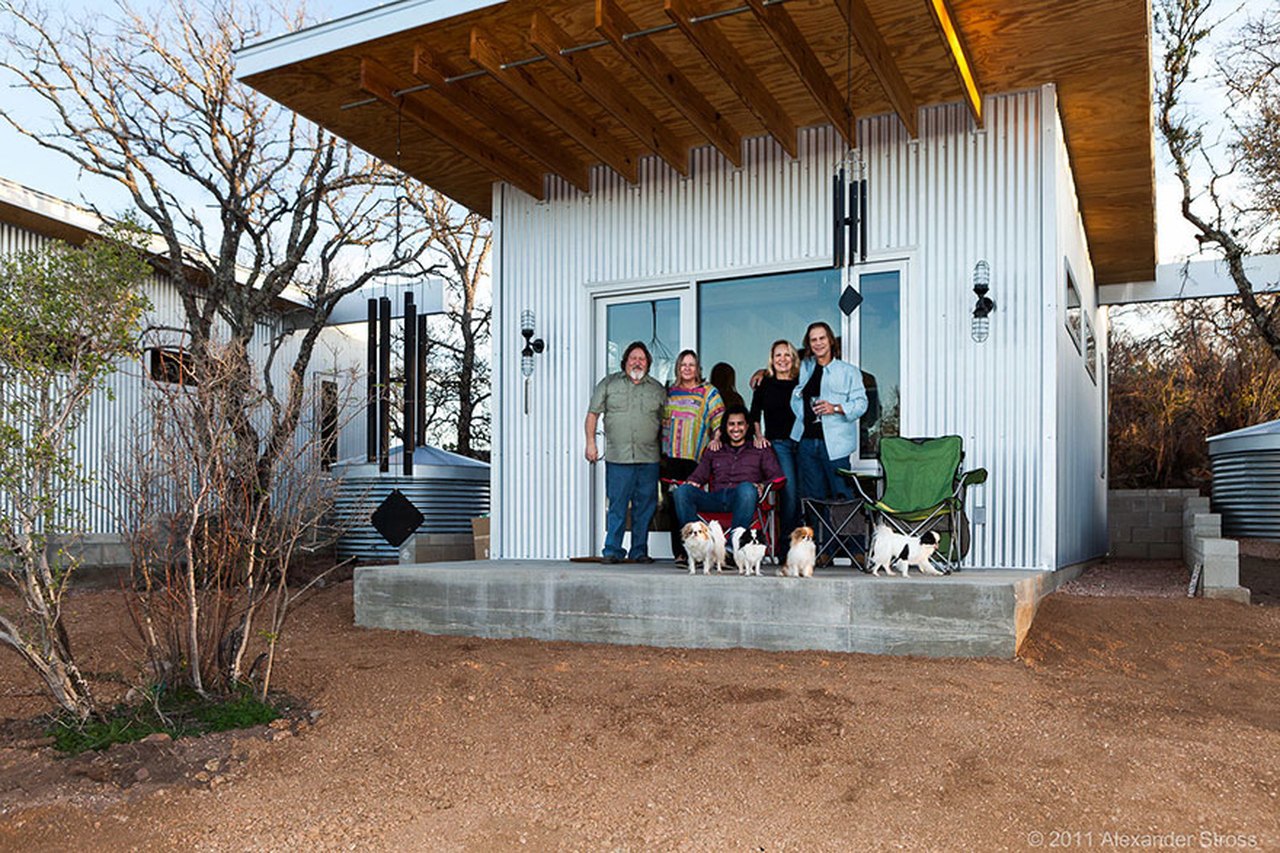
690, 420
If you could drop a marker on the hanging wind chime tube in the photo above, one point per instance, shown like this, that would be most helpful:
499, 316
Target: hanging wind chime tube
849, 223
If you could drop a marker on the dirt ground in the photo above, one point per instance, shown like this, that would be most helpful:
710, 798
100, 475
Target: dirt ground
1134, 717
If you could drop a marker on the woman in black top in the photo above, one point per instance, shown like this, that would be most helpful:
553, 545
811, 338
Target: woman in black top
772, 399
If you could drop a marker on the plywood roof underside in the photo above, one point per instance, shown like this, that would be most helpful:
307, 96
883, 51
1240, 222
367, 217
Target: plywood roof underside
1097, 53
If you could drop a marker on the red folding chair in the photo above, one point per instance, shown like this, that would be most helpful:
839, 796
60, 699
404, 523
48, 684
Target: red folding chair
765, 518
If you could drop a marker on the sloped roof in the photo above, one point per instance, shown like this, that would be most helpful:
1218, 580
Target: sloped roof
460, 93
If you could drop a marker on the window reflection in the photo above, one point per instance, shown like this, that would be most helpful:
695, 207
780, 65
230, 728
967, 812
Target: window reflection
656, 323
880, 356
739, 318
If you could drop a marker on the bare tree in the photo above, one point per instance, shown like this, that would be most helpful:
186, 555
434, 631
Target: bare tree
1229, 190
1202, 372
255, 211
66, 317
252, 204
208, 571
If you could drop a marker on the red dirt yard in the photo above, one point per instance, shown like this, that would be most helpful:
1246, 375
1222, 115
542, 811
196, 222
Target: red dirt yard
1128, 722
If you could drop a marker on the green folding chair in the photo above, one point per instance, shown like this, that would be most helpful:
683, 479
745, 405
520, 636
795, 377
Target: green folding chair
924, 491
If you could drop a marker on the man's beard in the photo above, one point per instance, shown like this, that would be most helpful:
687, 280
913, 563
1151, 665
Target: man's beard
636, 375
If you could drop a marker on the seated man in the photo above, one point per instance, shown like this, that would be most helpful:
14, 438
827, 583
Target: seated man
735, 474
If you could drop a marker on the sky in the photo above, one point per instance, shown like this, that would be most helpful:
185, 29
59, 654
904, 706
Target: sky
24, 161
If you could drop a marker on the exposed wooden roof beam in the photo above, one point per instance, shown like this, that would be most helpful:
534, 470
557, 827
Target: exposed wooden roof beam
794, 47
724, 58
593, 79
959, 56
538, 145
652, 64
876, 51
522, 84
379, 81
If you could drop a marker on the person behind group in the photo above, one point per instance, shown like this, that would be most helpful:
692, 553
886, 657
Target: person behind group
827, 402
632, 403
690, 419
772, 400
735, 474
725, 380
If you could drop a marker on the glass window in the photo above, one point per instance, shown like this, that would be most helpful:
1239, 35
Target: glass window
1090, 350
880, 356
1073, 311
739, 318
656, 323
171, 365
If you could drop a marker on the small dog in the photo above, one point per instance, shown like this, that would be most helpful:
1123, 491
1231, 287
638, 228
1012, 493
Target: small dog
888, 547
717, 544
801, 556
748, 549
704, 543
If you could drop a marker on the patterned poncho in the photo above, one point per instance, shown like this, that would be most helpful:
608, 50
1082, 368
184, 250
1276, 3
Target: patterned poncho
690, 420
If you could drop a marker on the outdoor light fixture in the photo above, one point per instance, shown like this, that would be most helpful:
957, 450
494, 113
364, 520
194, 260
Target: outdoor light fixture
532, 345
981, 327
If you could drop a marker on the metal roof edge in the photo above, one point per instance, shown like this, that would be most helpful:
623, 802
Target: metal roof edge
353, 29
1264, 428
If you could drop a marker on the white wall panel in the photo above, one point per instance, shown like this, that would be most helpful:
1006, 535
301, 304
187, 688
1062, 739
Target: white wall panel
938, 204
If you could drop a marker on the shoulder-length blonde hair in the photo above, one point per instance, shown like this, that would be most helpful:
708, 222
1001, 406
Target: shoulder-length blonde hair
795, 359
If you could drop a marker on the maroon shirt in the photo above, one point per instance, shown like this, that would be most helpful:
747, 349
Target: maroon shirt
729, 466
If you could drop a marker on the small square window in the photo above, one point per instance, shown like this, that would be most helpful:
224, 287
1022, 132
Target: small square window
171, 365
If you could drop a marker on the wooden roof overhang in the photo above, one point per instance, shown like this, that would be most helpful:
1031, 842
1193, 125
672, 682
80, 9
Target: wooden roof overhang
513, 91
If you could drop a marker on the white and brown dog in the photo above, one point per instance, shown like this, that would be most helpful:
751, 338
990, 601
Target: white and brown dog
704, 543
888, 547
801, 555
748, 549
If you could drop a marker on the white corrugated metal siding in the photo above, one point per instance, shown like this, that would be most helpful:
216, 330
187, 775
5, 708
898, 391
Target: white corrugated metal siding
1081, 399
938, 204
118, 413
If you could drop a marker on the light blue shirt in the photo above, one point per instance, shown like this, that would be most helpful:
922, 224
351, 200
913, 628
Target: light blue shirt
841, 386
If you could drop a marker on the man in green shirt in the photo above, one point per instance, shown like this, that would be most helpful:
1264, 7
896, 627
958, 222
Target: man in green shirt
631, 402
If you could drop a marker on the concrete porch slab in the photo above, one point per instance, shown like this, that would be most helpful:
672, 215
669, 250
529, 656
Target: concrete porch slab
975, 613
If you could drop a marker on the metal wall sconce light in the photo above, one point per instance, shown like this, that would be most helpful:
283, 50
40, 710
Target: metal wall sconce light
532, 345
981, 326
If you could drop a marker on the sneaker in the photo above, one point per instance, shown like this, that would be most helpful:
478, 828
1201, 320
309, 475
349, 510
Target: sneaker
610, 560
644, 558
682, 561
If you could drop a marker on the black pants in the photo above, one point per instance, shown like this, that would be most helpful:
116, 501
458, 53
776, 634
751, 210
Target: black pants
673, 469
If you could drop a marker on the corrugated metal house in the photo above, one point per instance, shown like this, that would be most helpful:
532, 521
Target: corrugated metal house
29, 219
665, 172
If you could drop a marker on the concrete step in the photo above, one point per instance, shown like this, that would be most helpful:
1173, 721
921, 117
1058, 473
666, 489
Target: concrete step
976, 613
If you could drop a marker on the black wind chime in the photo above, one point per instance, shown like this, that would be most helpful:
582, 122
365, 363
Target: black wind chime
849, 203
378, 393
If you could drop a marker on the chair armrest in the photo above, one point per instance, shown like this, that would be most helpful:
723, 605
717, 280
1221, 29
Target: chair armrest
667, 481
771, 486
853, 478
976, 477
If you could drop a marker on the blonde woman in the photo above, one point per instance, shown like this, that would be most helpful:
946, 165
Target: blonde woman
772, 400
690, 419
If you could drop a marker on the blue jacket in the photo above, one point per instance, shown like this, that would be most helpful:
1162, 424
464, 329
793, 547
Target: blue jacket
841, 386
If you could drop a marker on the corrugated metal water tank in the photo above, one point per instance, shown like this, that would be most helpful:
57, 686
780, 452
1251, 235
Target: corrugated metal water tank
1246, 480
448, 489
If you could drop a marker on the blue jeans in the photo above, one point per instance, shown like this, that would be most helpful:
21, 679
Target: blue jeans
789, 500
689, 500
818, 477
636, 485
